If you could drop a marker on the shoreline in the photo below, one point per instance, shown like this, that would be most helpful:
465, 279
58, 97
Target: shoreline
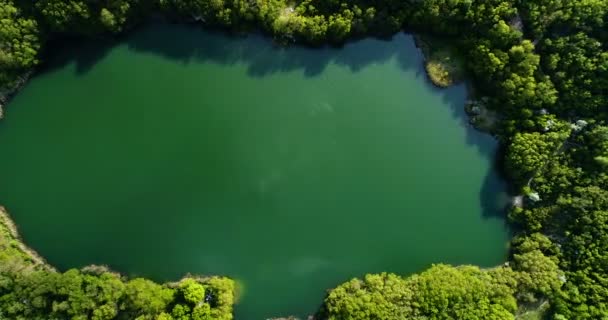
8, 93
7, 223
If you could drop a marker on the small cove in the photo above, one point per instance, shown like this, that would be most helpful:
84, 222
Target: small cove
290, 169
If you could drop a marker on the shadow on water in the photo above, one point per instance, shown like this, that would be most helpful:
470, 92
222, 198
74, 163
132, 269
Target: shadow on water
187, 43
254, 50
493, 197
61, 52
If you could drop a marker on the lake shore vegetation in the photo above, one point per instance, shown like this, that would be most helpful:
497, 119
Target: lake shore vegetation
32, 289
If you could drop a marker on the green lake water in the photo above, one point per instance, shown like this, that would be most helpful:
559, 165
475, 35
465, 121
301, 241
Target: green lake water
292, 170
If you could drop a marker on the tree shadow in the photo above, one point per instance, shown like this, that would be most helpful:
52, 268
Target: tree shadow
187, 44
493, 196
83, 53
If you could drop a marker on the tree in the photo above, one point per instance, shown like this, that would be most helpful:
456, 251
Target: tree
146, 297
441, 292
20, 42
108, 19
538, 275
192, 291
529, 152
64, 16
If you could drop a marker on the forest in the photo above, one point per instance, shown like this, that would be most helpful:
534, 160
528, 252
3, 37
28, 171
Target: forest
540, 65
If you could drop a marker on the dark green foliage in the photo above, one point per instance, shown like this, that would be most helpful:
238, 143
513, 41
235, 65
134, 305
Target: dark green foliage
578, 65
64, 15
20, 44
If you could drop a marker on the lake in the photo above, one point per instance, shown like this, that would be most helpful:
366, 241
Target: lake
177, 150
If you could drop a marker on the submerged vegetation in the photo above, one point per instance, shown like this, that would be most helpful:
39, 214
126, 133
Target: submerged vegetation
540, 66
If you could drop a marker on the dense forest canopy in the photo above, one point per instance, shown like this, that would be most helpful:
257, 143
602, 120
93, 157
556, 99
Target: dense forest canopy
540, 65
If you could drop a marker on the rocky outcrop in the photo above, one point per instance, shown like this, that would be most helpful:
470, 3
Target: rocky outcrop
7, 93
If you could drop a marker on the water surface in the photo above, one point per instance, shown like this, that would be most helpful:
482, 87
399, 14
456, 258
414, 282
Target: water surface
178, 150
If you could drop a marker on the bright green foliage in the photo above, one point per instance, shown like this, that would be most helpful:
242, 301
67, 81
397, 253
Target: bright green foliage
339, 25
523, 86
164, 316
202, 312
538, 275
586, 230
223, 290
193, 291
529, 152
19, 42
520, 83
28, 290
503, 35
442, 292
383, 296
108, 19
146, 297
77, 295
181, 312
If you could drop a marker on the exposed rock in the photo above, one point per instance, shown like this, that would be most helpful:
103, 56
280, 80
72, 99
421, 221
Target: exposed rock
6, 93
476, 110
534, 196
198, 18
517, 23
579, 125
518, 201
99, 270
482, 118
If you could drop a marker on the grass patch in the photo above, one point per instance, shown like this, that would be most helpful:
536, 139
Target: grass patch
443, 62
